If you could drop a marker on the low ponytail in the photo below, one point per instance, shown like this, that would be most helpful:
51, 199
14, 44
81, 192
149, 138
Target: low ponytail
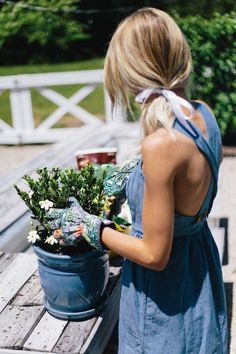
155, 114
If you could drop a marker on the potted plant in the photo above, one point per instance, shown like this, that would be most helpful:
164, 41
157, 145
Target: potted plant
73, 277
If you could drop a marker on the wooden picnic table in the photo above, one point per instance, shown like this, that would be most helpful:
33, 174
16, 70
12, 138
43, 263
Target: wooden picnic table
25, 325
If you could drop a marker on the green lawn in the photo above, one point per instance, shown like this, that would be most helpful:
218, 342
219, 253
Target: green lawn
42, 107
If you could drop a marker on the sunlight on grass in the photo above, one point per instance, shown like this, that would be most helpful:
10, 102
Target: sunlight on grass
42, 107
5, 110
96, 63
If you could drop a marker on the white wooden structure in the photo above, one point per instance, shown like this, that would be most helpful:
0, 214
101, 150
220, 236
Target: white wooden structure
23, 130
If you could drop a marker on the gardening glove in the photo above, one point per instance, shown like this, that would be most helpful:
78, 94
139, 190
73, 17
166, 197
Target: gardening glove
77, 224
52, 218
115, 182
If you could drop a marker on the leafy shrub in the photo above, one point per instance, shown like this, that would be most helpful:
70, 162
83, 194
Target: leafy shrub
213, 46
53, 188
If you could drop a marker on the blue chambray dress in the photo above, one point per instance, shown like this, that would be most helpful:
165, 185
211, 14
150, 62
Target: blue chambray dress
182, 309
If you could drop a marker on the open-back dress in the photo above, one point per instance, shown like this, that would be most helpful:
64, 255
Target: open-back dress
180, 310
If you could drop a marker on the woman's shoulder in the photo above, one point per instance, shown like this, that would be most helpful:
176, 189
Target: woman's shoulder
163, 145
156, 141
206, 105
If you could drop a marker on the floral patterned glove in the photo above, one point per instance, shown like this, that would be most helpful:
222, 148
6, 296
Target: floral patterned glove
53, 218
76, 224
116, 180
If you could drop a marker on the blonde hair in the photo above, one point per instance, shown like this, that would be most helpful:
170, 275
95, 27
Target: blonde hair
147, 50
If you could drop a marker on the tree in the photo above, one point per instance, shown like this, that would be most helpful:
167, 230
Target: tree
42, 34
62, 30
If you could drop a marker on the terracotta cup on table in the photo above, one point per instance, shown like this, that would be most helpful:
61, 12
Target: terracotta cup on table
96, 155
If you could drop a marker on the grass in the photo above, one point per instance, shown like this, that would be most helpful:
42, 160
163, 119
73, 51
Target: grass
42, 108
96, 63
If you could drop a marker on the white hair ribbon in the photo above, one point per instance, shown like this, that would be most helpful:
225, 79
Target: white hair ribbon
175, 101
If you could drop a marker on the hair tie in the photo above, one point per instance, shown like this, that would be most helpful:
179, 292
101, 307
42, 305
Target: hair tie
174, 100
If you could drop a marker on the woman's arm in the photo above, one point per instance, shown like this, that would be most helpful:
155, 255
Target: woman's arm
153, 251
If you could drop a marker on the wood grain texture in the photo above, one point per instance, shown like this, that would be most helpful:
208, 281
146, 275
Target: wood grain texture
104, 325
25, 325
31, 294
74, 336
46, 334
16, 323
5, 260
14, 351
15, 276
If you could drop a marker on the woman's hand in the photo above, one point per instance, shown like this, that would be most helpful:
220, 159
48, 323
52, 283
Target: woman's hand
74, 224
52, 218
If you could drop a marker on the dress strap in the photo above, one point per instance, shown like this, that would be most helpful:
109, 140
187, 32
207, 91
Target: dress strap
192, 131
214, 136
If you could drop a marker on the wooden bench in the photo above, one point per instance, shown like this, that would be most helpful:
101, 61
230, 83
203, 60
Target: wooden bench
25, 326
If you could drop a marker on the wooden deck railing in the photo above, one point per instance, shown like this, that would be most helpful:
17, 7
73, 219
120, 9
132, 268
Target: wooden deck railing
22, 128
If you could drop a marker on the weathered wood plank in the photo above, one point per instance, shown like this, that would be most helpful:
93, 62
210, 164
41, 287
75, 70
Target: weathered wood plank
55, 154
84, 137
29, 250
31, 294
13, 351
46, 334
16, 323
104, 325
18, 320
5, 260
74, 336
15, 276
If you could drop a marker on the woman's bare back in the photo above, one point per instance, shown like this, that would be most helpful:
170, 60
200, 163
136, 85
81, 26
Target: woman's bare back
193, 176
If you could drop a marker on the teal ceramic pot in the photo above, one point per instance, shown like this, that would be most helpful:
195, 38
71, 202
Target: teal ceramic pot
74, 286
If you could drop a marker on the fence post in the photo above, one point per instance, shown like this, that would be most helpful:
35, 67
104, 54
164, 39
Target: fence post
21, 109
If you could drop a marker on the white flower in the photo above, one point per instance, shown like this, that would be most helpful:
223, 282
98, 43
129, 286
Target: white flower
51, 240
125, 213
30, 193
46, 204
33, 236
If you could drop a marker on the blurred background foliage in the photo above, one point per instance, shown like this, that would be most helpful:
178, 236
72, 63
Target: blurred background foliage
59, 31
213, 46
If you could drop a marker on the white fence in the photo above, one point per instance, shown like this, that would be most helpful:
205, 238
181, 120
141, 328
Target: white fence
23, 130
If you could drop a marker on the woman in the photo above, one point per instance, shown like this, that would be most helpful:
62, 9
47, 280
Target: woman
172, 299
